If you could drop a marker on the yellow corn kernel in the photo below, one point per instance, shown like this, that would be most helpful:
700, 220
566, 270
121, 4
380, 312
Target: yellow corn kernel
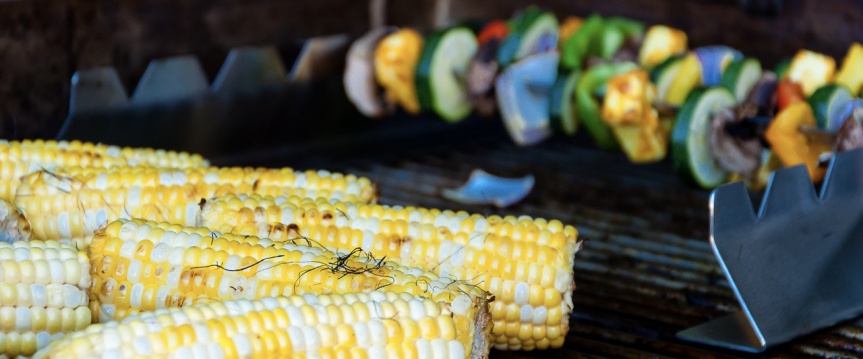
525, 263
234, 327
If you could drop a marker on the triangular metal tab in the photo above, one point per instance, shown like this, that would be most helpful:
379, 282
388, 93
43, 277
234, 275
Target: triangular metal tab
845, 176
788, 188
171, 79
320, 56
731, 207
248, 68
96, 89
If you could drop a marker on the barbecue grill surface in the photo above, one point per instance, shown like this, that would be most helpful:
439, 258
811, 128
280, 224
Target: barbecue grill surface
646, 270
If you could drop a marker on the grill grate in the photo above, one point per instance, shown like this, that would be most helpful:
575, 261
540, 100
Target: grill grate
646, 271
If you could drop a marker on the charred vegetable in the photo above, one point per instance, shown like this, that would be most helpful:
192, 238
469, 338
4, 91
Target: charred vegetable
531, 32
829, 104
741, 76
811, 70
691, 153
575, 49
736, 151
359, 79
564, 118
660, 43
627, 110
791, 145
522, 92
396, 61
588, 106
851, 73
442, 71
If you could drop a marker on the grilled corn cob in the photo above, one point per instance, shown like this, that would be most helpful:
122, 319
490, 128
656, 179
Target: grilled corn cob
525, 263
144, 266
43, 294
362, 325
73, 202
19, 158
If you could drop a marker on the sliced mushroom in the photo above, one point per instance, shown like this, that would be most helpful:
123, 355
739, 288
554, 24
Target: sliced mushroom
738, 154
850, 135
359, 79
628, 52
480, 78
763, 94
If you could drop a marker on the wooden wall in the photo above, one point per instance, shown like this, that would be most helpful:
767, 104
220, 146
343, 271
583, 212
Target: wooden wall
42, 42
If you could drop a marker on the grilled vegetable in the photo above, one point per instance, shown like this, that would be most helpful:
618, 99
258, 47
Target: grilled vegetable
660, 43
495, 30
791, 145
532, 32
525, 263
522, 93
564, 118
442, 73
850, 135
43, 295
144, 266
851, 73
576, 47
359, 78
481, 77
741, 76
763, 94
19, 158
811, 70
829, 104
735, 153
627, 109
687, 79
395, 62
690, 146
714, 60
73, 202
781, 68
788, 92
616, 31
568, 27
365, 325
663, 76
589, 108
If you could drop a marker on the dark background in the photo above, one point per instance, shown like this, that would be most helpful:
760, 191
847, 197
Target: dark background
43, 42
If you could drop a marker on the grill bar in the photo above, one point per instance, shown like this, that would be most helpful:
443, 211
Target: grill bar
646, 270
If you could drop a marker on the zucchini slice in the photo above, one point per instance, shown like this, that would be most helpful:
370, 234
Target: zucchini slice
562, 103
664, 74
690, 148
829, 104
442, 72
534, 31
741, 76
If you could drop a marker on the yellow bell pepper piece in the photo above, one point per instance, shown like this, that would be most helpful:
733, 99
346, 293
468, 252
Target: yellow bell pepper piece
396, 59
790, 145
627, 109
851, 74
811, 70
660, 43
